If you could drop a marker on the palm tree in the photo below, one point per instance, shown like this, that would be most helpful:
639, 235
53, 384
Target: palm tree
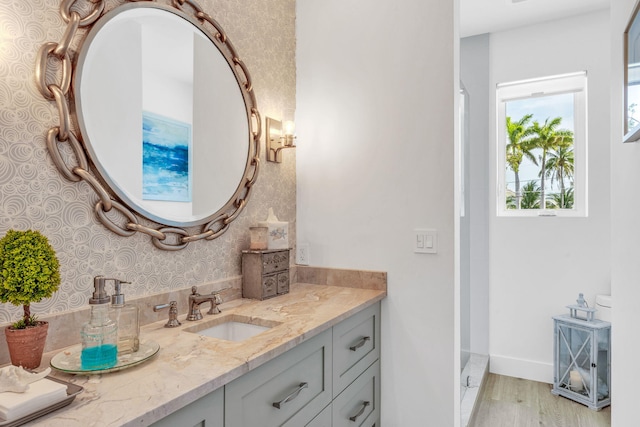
549, 137
560, 166
519, 146
530, 196
562, 202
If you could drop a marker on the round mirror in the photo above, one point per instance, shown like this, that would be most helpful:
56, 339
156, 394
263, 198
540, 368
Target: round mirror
632, 78
163, 114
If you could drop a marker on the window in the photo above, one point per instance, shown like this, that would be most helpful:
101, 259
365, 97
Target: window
542, 146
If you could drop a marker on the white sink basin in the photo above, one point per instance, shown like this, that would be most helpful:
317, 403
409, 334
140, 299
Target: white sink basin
233, 328
233, 331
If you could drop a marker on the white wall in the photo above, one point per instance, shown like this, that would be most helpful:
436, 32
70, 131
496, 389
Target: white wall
376, 99
625, 232
539, 265
474, 74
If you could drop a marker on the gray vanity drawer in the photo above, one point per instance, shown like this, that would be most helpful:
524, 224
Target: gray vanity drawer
275, 261
356, 345
207, 410
323, 419
249, 400
359, 404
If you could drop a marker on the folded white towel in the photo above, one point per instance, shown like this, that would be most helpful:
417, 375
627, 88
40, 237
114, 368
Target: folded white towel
40, 394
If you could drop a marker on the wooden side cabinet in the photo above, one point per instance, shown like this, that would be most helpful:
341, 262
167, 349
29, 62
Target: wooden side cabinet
265, 274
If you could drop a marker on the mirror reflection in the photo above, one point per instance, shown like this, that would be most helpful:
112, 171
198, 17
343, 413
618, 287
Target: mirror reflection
162, 115
632, 79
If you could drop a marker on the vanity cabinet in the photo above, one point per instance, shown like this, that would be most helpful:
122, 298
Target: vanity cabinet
287, 391
359, 404
323, 419
207, 411
356, 345
265, 274
330, 380
356, 370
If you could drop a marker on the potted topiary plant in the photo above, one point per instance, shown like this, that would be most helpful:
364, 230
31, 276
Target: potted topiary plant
29, 272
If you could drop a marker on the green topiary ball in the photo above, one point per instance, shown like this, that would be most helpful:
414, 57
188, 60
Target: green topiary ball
29, 268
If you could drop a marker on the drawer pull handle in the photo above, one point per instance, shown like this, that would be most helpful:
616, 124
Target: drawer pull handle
292, 396
360, 343
361, 411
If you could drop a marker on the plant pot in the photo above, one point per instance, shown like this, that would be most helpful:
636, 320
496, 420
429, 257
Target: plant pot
26, 345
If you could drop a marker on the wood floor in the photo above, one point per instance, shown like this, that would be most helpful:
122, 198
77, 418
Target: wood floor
514, 402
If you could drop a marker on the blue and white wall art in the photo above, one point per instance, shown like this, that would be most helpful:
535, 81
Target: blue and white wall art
166, 165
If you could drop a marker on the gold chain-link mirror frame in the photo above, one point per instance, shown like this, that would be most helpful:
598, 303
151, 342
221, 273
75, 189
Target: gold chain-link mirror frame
124, 221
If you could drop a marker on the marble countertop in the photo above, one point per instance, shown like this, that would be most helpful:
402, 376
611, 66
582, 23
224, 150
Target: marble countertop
190, 366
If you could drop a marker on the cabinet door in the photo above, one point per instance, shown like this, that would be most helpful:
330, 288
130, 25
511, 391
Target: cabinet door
269, 286
359, 404
283, 282
356, 345
289, 390
207, 411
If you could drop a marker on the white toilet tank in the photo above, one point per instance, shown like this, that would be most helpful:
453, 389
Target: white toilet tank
603, 304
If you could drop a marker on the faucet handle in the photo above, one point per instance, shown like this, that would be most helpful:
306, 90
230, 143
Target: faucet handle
173, 314
217, 299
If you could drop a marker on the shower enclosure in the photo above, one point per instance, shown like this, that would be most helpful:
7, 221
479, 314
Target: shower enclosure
465, 233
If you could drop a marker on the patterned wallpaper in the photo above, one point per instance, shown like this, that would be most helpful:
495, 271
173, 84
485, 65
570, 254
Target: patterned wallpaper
34, 195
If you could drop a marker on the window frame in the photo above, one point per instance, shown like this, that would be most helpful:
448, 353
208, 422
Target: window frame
575, 83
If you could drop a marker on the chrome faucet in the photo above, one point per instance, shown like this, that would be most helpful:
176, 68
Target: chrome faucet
173, 314
195, 299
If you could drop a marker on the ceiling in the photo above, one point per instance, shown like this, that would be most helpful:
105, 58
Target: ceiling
488, 16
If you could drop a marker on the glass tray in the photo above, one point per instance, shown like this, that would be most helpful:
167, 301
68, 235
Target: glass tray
69, 360
72, 391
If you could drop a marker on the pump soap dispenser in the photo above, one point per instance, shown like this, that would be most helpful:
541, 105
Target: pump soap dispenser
99, 334
127, 318
278, 237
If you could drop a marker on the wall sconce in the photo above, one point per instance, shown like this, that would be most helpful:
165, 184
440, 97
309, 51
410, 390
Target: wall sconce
280, 135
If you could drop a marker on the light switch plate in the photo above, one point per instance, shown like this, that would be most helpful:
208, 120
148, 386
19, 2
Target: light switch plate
425, 241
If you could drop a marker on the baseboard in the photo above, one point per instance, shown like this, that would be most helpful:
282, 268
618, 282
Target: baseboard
521, 368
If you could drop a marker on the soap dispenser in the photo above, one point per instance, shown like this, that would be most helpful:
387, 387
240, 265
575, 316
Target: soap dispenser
99, 334
127, 318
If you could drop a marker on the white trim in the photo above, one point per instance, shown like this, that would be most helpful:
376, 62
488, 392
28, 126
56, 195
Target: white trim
521, 368
633, 135
550, 85
575, 83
